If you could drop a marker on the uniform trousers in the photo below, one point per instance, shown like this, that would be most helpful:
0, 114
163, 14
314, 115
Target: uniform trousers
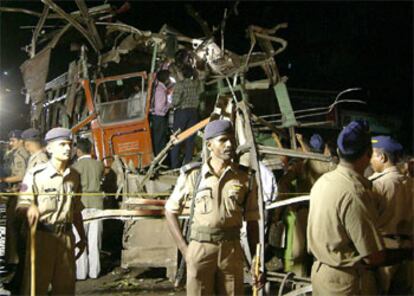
89, 263
12, 231
159, 130
327, 280
215, 268
397, 279
55, 264
2, 238
184, 119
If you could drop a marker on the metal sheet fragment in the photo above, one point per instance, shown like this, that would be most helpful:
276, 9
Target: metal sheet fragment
34, 72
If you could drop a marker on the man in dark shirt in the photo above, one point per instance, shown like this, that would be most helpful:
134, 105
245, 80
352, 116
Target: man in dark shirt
186, 99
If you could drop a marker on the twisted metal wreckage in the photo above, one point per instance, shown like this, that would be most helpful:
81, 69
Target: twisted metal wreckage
84, 99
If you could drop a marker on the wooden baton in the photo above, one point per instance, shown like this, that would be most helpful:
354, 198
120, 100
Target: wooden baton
33, 259
256, 269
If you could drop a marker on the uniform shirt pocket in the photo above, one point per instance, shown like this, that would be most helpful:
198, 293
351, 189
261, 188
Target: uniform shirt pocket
203, 202
47, 203
234, 198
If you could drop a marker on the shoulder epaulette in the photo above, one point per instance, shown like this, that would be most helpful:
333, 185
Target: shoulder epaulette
22, 155
191, 166
376, 177
39, 168
246, 169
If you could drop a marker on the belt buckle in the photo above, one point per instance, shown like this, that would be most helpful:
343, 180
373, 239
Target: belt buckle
59, 228
319, 265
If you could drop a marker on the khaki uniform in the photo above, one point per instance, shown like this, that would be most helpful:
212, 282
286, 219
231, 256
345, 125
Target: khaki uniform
340, 233
303, 175
38, 158
215, 258
18, 167
19, 162
52, 193
394, 204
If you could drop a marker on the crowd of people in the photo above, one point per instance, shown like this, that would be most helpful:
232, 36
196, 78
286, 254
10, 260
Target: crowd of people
179, 95
50, 189
355, 237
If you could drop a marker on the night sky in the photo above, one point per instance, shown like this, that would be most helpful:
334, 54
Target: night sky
331, 46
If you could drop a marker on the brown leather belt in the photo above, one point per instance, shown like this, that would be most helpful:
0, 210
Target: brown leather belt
210, 234
399, 237
54, 228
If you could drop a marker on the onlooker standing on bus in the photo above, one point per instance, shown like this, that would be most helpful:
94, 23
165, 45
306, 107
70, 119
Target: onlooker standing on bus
186, 99
159, 110
91, 173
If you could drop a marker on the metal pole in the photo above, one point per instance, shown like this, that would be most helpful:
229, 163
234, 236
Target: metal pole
154, 57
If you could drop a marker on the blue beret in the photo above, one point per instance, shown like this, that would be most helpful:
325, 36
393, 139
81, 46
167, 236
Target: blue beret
387, 143
316, 142
58, 133
15, 134
216, 128
31, 134
354, 138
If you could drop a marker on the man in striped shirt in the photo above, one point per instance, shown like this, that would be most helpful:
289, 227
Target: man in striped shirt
186, 99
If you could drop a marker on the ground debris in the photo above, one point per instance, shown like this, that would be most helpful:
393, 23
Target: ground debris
134, 281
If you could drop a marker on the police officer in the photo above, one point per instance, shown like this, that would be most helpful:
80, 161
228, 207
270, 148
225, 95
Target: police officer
394, 204
312, 169
49, 197
91, 174
300, 177
341, 230
33, 144
17, 163
16, 160
224, 195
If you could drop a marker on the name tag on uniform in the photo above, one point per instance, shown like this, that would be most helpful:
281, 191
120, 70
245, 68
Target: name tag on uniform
47, 190
235, 190
236, 187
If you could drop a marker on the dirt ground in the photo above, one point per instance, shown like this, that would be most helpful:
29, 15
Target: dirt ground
129, 282
134, 281
117, 281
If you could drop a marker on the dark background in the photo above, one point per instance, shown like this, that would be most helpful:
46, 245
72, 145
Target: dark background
332, 46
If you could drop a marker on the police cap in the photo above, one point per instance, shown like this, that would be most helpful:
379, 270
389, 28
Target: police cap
58, 133
317, 143
216, 128
15, 134
387, 143
354, 138
31, 134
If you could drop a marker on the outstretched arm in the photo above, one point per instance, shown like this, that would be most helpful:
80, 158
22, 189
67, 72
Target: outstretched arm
303, 145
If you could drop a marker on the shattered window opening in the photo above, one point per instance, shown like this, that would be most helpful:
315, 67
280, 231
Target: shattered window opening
124, 102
